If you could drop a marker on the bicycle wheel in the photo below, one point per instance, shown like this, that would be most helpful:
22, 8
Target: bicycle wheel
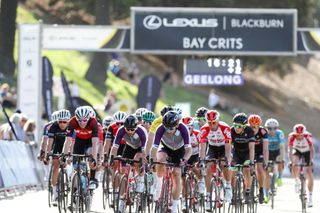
122, 187
254, 193
214, 197
221, 194
162, 203
188, 195
238, 196
106, 187
76, 195
60, 190
115, 191
303, 195
272, 189
66, 189
140, 202
148, 178
50, 191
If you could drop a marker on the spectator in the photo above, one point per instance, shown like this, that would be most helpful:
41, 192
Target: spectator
74, 89
29, 129
213, 99
109, 100
5, 129
8, 100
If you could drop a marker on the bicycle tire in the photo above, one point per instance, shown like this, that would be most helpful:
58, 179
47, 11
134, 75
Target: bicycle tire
76, 192
221, 194
254, 193
60, 190
66, 189
122, 185
162, 203
106, 188
148, 197
188, 195
302, 195
50, 191
272, 189
238, 192
115, 192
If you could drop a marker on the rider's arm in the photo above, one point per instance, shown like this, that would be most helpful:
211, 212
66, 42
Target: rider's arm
149, 142
186, 140
142, 132
203, 142
156, 142
291, 140
121, 132
251, 150
310, 143
67, 145
265, 145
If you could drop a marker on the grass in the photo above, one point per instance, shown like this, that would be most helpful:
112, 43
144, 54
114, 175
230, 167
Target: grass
75, 64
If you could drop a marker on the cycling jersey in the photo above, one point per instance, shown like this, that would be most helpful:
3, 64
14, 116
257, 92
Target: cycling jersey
241, 141
216, 138
180, 138
196, 125
58, 135
194, 140
46, 128
90, 131
155, 124
112, 131
259, 138
300, 145
137, 140
100, 133
276, 140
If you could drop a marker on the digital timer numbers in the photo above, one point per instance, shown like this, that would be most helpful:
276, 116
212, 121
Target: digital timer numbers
234, 65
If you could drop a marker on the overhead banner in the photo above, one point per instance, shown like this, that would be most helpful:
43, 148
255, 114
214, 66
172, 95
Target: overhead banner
218, 31
29, 75
149, 91
213, 71
86, 38
47, 82
308, 40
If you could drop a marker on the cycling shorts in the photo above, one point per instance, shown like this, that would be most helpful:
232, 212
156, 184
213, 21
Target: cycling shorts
240, 157
81, 146
302, 155
273, 154
193, 159
129, 152
217, 152
174, 156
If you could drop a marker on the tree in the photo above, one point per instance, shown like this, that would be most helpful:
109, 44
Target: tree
8, 13
97, 70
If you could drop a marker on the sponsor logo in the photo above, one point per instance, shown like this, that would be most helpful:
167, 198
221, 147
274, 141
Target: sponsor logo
153, 22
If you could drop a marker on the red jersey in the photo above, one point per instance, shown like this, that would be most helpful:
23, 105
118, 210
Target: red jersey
112, 132
216, 138
90, 131
194, 140
100, 133
300, 145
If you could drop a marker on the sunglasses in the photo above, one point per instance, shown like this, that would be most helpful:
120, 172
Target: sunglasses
271, 129
63, 122
170, 128
83, 120
238, 126
131, 129
147, 122
212, 122
201, 119
255, 127
119, 123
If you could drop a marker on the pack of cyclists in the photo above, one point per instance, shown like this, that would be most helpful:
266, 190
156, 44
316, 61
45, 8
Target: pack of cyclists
180, 141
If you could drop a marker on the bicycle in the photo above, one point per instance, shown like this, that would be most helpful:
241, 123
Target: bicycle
254, 193
50, 189
127, 187
217, 188
148, 179
81, 196
62, 184
302, 178
272, 177
164, 201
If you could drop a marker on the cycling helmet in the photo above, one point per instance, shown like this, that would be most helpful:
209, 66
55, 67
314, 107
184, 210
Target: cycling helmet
170, 119
271, 123
63, 115
139, 112
82, 112
54, 115
241, 118
188, 120
148, 116
299, 129
255, 120
201, 112
119, 116
178, 110
212, 115
166, 109
131, 122
107, 121
92, 112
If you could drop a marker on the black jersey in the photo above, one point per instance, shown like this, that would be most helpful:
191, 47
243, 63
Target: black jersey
241, 141
259, 138
58, 136
46, 128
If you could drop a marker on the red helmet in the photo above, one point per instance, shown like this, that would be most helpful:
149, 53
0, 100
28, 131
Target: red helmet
255, 120
212, 115
187, 120
299, 129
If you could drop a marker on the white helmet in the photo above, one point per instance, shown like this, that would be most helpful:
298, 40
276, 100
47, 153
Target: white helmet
107, 121
271, 123
119, 116
92, 112
54, 116
82, 112
139, 112
63, 114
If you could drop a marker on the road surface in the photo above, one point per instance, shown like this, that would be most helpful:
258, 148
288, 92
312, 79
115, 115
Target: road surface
287, 201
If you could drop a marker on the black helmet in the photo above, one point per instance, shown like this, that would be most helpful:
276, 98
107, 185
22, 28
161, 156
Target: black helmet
241, 118
131, 122
166, 109
201, 112
171, 119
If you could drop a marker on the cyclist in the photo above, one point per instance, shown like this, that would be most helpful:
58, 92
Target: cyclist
106, 122
194, 140
57, 134
44, 139
276, 152
135, 136
147, 118
261, 151
243, 141
86, 139
175, 144
139, 113
218, 136
301, 148
200, 118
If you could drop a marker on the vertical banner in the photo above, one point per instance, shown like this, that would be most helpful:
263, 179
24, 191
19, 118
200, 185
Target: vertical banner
29, 75
47, 73
149, 91
70, 103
